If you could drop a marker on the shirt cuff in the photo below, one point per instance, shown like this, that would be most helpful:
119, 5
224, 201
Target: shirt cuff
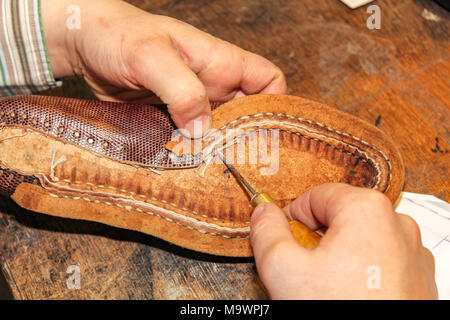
24, 64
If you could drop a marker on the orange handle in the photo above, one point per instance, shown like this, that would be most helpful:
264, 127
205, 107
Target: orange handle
305, 237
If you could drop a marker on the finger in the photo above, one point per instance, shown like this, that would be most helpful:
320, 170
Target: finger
227, 70
410, 229
160, 69
428, 268
241, 73
115, 94
261, 76
270, 234
323, 204
300, 209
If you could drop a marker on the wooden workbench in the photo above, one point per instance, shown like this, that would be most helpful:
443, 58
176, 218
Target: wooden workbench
397, 77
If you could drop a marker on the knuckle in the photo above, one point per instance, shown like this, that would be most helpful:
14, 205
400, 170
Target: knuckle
190, 96
410, 226
429, 257
223, 55
377, 197
142, 48
221, 47
364, 204
153, 42
280, 78
375, 202
195, 92
142, 51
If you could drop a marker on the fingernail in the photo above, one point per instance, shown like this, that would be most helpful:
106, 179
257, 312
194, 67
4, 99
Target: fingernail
198, 126
258, 210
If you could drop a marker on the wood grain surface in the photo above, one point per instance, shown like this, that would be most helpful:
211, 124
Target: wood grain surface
396, 77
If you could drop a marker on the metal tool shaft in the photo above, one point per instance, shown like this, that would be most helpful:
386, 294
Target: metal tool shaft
301, 233
237, 174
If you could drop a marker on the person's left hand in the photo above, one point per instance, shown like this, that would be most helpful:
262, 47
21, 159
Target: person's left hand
125, 54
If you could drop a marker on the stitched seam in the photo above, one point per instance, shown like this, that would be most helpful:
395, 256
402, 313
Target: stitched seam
146, 212
55, 180
131, 208
127, 192
368, 159
144, 197
375, 163
282, 115
236, 121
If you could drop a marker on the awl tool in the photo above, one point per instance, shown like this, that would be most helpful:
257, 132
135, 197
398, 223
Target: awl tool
304, 236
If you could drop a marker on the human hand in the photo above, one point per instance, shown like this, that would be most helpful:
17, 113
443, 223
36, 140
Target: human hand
125, 54
368, 251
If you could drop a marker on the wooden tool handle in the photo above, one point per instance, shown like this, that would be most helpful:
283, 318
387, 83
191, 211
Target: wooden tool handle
305, 237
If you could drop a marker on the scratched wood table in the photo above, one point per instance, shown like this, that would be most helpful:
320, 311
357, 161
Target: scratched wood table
397, 77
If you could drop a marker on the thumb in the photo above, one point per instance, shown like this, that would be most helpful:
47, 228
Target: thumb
270, 234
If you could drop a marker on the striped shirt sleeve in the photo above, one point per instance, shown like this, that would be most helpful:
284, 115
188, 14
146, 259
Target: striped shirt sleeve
24, 63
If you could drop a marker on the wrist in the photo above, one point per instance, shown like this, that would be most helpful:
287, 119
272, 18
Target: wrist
59, 35
67, 25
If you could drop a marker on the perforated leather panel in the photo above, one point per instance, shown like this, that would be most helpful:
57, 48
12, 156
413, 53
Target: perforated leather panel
125, 132
9, 180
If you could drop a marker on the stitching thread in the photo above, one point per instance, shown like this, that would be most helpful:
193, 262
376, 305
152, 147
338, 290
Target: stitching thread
55, 180
228, 125
282, 115
146, 212
211, 154
145, 197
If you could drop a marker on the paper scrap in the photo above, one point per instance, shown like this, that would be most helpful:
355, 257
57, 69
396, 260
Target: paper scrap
433, 217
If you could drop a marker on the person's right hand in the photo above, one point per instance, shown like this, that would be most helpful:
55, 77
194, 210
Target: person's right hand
368, 251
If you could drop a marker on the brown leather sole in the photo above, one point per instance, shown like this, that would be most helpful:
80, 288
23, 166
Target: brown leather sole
85, 164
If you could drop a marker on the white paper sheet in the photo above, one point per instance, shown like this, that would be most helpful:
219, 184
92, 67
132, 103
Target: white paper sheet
433, 217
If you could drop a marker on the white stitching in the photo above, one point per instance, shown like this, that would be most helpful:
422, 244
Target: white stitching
222, 128
146, 212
